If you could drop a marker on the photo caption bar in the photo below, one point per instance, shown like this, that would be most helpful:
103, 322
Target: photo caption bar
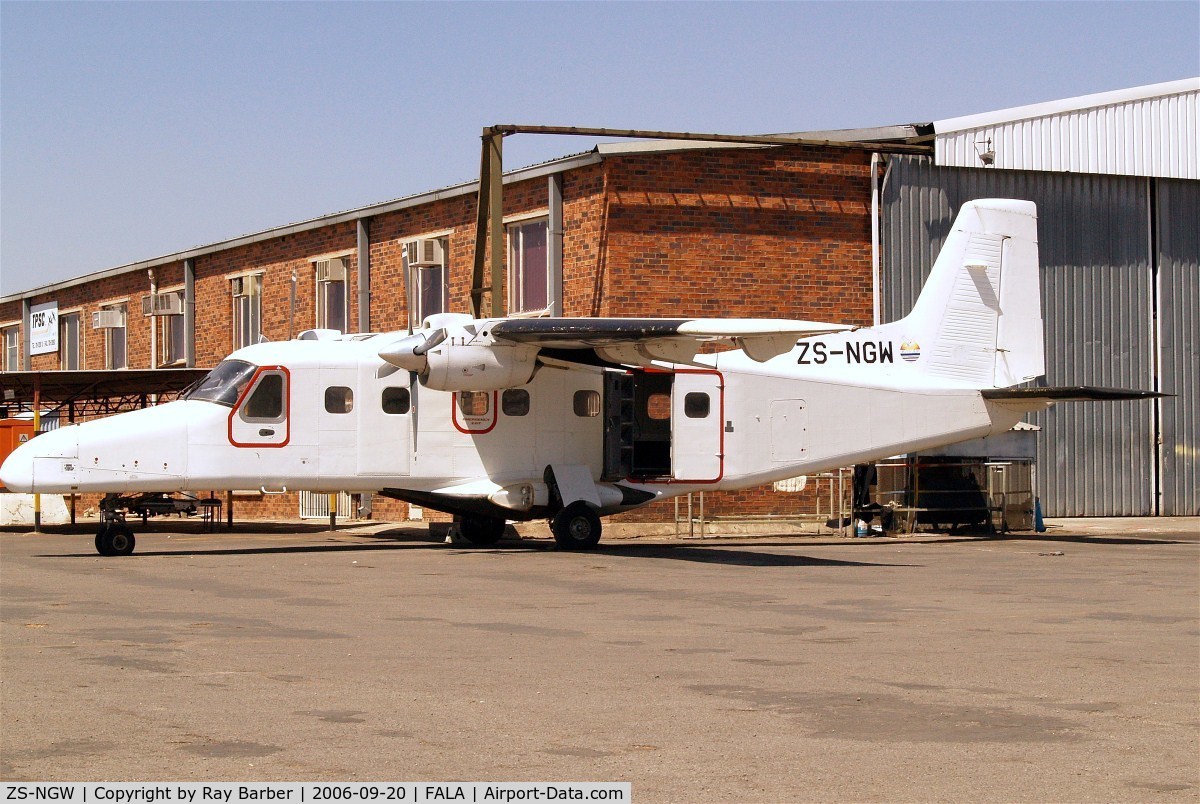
310, 792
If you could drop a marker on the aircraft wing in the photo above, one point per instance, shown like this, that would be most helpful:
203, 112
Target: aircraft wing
639, 341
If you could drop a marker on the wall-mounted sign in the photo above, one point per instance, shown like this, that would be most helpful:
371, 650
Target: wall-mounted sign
43, 328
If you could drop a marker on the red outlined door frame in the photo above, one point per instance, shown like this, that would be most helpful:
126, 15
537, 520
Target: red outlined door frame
235, 419
474, 425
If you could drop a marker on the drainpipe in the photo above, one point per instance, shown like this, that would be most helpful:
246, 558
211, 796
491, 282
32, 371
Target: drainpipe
292, 307
189, 313
153, 321
26, 320
364, 276
875, 297
555, 246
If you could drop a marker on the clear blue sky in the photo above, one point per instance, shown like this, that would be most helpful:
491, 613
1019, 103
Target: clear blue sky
131, 130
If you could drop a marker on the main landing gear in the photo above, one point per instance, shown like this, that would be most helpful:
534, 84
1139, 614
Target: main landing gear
576, 527
115, 537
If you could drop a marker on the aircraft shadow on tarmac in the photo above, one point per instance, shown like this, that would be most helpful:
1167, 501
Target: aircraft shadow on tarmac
700, 554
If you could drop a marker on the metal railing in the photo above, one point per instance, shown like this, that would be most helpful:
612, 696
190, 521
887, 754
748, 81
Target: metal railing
830, 501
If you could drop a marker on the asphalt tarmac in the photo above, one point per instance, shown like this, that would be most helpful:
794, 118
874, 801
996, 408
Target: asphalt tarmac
1062, 667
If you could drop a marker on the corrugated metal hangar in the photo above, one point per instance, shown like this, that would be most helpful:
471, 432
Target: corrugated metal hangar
842, 230
1114, 177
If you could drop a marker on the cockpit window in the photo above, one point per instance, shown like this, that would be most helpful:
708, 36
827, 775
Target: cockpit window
224, 384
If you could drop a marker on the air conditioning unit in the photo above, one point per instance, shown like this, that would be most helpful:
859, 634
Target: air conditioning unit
331, 270
108, 319
246, 285
424, 253
162, 304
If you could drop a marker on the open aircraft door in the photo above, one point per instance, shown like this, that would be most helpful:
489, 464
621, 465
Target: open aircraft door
697, 434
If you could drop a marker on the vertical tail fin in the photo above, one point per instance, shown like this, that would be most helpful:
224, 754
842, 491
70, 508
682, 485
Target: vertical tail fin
978, 319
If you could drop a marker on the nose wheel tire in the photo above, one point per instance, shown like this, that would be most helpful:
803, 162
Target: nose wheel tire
115, 540
576, 527
481, 530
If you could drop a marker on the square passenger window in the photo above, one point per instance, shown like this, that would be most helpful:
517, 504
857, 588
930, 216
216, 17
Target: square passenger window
515, 402
339, 399
395, 401
696, 405
587, 403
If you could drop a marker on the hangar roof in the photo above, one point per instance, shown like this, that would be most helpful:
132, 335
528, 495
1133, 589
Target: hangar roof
1141, 131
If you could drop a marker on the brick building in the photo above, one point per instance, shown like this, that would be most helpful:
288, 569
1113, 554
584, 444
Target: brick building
668, 229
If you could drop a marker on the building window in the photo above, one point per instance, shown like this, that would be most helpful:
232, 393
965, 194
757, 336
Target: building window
247, 310
172, 339
425, 265
528, 272
68, 342
332, 312
12, 348
115, 355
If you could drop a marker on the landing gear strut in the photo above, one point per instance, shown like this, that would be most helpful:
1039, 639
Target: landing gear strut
576, 527
115, 537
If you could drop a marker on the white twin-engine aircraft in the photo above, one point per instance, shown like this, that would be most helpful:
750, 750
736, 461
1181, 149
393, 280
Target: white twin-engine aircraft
571, 419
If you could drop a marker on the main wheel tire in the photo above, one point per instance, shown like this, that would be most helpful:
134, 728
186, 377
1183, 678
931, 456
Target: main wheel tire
103, 546
481, 530
122, 540
576, 527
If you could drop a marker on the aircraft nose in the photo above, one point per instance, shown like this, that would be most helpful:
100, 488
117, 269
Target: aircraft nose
17, 472
18, 475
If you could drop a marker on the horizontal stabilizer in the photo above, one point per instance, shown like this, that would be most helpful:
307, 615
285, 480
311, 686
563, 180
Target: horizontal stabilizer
1068, 393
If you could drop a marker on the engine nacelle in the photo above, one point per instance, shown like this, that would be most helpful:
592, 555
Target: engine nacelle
457, 366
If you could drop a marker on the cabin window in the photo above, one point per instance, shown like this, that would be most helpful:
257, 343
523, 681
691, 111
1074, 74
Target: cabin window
339, 399
247, 310
515, 402
12, 348
68, 342
587, 403
396, 401
474, 403
696, 405
658, 407
266, 401
528, 267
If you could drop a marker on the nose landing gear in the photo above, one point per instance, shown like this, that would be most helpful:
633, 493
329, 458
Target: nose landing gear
115, 540
115, 537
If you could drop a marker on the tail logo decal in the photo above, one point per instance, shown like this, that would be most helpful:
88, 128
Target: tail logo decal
909, 350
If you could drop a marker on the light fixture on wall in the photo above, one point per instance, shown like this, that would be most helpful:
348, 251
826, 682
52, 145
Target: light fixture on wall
987, 155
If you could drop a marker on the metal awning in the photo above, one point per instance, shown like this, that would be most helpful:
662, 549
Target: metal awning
92, 392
